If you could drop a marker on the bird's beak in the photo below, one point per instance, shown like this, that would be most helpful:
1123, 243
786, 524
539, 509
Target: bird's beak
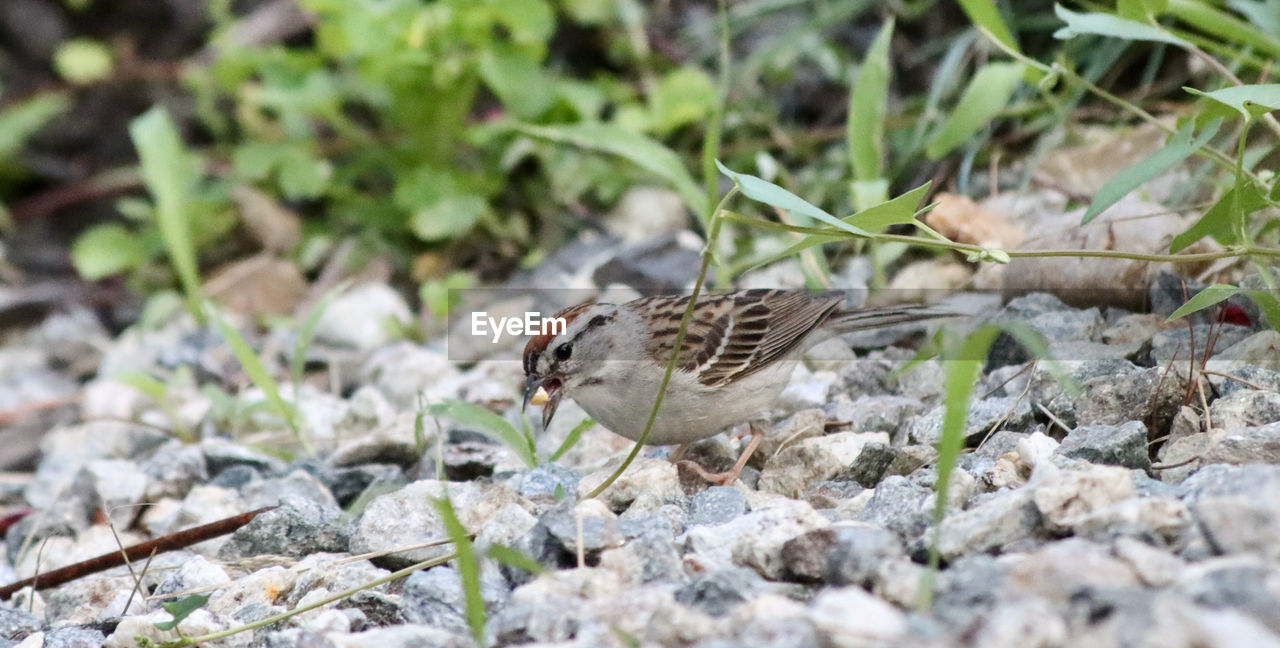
544, 391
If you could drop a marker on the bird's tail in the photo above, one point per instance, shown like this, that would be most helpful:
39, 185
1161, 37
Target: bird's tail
843, 321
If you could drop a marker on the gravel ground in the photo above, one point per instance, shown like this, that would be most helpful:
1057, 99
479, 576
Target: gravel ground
1122, 513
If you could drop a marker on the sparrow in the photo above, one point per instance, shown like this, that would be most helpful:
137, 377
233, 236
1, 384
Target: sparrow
738, 353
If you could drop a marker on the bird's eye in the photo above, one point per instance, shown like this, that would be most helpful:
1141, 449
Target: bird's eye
564, 351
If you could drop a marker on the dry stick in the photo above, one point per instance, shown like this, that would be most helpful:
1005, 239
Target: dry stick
137, 583
179, 540
1056, 421
1248, 383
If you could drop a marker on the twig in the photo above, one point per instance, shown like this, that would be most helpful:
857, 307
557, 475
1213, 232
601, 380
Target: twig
171, 542
1242, 381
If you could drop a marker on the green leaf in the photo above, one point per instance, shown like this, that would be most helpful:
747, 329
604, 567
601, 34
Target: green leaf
448, 217
181, 609
867, 102
771, 194
645, 153
572, 439
171, 175
898, 211
512, 558
1217, 220
1204, 299
105, 250
1212, 20
1180, 147
985, 96
986, 15
684, 96
468, 568
1251, 101
488, 423
23, 119
82, 60
1263, 13
303, 176
1108, 25
1269, 304
518, 79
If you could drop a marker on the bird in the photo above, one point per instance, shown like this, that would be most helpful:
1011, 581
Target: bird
736, 357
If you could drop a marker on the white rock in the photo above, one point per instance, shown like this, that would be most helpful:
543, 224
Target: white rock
647, 483
813, 459
366, 317
849, 617
1067, 497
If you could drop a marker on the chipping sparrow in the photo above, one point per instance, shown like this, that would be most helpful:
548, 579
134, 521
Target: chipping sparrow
738, 354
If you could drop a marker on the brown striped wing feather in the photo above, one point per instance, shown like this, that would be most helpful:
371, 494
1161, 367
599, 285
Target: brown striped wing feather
733, 335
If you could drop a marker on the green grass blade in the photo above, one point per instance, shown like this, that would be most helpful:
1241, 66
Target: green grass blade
1217, 220
512, 558
964, 364
574, 435
307, 332
1180, 147
259, 376
642, 151
170, 174
468, 568
1204, 299
181, 609
986, 14
867, 105
985, 96
488, 423
1230, 29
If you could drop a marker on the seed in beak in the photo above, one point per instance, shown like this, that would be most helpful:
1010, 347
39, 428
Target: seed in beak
540, 397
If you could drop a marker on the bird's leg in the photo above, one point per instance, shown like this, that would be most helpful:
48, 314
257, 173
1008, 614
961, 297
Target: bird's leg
731, 475
678, 454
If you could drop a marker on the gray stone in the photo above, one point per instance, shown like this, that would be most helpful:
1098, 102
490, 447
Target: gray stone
1261, 350
544, 480
1253, 589
16, 624
716, 505
1124, 445
650, 557
348, 483
841, 554
877, 413
1049, 317
113, 486
870, 465
665, 262
402, 636
970, 588
850, 616
1007, 412
588, 525
297, 527
1235, 375
1184, 342
1246, 521
719, 591
874, 373
899, 506
1245, 408
1001, 519
1151, 395
174, 469
434, 597
1250, 445
74, 637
